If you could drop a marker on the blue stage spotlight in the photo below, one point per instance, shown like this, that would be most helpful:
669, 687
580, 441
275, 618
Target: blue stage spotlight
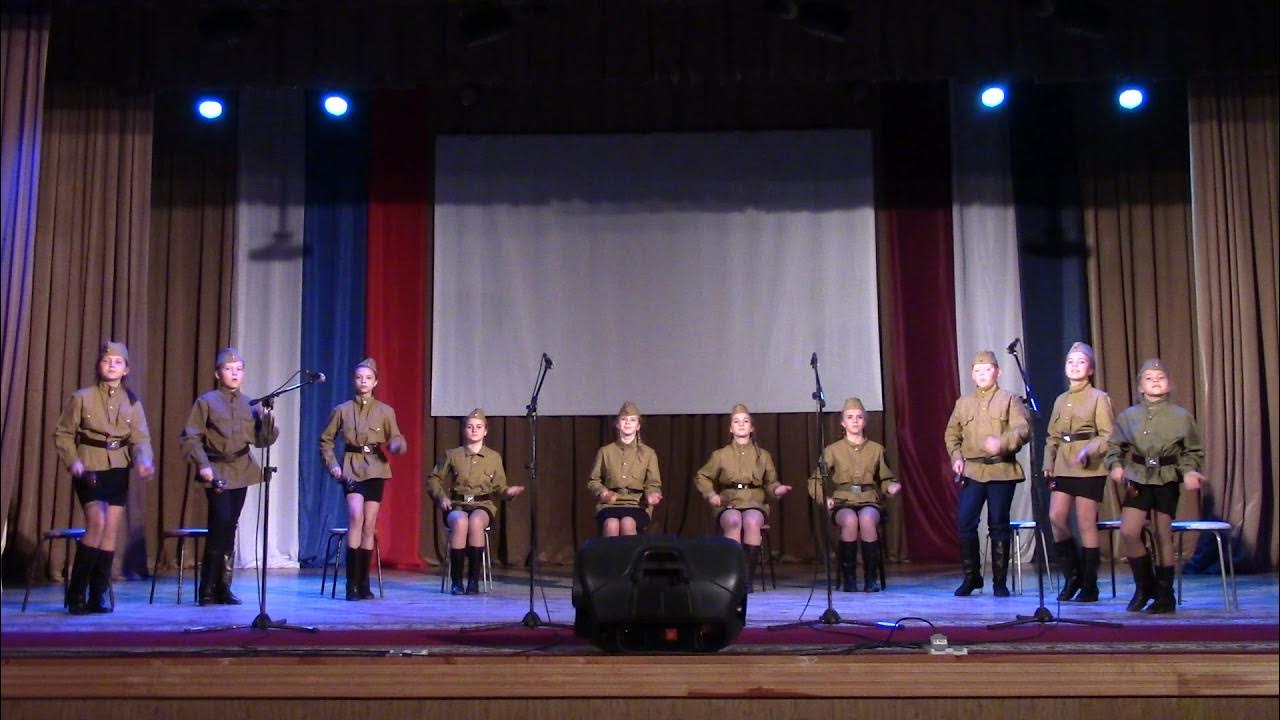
209, 108
336, 105
992, 96
1130, 97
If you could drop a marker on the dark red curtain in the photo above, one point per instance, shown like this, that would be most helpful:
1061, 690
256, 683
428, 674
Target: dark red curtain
397, 321
914, 209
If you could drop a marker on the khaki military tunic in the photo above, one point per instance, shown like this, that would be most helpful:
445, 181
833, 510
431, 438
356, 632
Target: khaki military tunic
1081, 410
1165, 437
366, 422
859, 473
221, 422
981, 414
101, 413
475, 475
736, 465
630, 471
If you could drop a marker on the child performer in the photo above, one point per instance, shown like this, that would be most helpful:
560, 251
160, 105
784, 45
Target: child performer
624, 478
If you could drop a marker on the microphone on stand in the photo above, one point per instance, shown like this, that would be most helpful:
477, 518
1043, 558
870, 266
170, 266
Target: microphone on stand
1012, 348
315, 376
546, 359
813, 361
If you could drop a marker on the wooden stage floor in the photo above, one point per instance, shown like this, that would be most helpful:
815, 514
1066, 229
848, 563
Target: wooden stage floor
418, 644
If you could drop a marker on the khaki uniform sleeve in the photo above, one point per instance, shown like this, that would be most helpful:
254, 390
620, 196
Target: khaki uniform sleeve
771, 482
1015, 436
815, 480
140, 452
1053, 440
652, 478
884, 474
500, 476
327, 436
1104, 420
595, 485
1192, 456
265, 431
392, 429
192, 439
64, 435
705, 479
1117, 445
435, 481
954, 435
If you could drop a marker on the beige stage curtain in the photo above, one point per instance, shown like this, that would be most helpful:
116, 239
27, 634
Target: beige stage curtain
1136, 195
24, 43
89, 283
1234, 174
191, 253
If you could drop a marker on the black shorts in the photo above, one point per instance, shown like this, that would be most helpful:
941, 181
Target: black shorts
1085, 487
618, 513
371, 489
109, 486
1161, 498
855, 509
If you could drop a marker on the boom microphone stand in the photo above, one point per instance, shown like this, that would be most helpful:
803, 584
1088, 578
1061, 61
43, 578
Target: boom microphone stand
1042, 614
263, 621
531, 619
830, 616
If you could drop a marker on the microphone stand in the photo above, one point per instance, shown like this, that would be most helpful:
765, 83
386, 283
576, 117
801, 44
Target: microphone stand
263, 621
531, 619
1042, 615
830, 616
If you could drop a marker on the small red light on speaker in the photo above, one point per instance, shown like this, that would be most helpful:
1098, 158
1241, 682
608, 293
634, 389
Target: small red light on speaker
671, 635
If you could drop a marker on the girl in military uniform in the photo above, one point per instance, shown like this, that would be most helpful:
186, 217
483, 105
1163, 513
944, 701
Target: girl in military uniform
735, 482
624, 478
861, 481
1077, 441
476, 480
1154, 450
101, 434
986, 429
216, 439
369, 433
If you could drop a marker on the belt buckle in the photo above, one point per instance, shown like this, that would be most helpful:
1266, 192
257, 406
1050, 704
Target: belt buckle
366, 449
468, 498
1152, 462
113, 444
1066, 437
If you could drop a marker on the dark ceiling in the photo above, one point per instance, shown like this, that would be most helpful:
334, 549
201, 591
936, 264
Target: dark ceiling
631, 43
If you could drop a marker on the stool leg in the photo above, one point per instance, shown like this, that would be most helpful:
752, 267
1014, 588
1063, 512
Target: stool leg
182, 560
195, 568
155, 570
1177, 567
487, 564
377, 555
1222, 568
31, 571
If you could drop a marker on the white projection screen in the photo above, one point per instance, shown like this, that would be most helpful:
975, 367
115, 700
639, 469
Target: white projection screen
685, 272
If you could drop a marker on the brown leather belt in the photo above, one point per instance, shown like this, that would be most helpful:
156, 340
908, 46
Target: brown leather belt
856, 487
1154, 462
1074, 437
369, 449
115, 444
741, 486
458, 497
993, 460
220, 458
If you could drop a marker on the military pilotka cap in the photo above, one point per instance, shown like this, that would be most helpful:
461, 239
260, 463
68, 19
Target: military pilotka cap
739, 409
628, 408
228, 355
118, 349
1084, 349
985, 357
478, 413
373, 366
852, 403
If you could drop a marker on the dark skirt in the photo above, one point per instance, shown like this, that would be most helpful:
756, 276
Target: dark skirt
618, 513
371, 489
856, 509
109, 486
1085, 487
1161, 498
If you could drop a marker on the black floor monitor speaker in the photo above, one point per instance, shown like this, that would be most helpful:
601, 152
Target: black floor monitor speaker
660, 593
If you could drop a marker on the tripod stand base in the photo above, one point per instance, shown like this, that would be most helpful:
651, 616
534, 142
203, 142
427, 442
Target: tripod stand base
531, 620
262, 622
1042, 616
829, 617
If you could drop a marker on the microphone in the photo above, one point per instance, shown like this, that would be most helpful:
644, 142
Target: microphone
813, 361
547, 360
315, 376
1013, 346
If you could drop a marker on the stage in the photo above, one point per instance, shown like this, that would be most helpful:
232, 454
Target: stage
421, 646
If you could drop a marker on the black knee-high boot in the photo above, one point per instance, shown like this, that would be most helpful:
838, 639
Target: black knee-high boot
457, 563
228, 568
753, 561
1065, 550
353, 573
475, 559
100, 582
971, 561
849, 566
871, 560
1000, 566
81, 567
1089, 576
210, 572
366, 556
1144, 583
1166, 601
